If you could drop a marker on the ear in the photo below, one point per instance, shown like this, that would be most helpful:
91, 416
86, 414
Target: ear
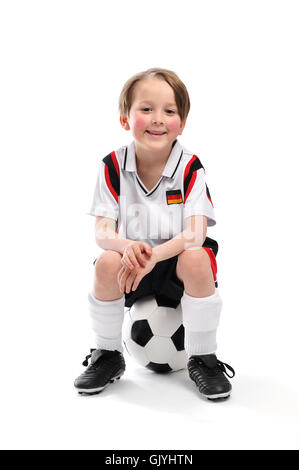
124, 122
182, 127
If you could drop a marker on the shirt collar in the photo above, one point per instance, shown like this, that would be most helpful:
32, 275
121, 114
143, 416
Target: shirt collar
171, 164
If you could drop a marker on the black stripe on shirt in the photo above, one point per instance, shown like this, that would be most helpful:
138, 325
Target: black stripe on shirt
144, 190
177, 165
125, 161
112, 173
196, 165
149, 194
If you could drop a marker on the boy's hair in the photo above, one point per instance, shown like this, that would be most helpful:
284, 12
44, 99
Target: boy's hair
180, 90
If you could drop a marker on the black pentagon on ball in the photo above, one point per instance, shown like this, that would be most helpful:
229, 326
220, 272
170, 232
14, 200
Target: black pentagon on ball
141, 332
178, 338
160, 368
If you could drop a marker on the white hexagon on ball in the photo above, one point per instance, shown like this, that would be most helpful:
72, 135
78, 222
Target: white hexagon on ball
164, 321
154, 335
143, 308
160, 347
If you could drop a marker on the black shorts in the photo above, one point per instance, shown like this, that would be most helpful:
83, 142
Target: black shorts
163, 283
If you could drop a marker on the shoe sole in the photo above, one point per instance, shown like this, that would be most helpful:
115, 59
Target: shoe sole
95, 391
216, 396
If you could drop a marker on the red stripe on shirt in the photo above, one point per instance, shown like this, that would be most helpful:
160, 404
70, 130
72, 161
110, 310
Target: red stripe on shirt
118, 227
209, 199
115, 162
191, 184
193, 178
188, 166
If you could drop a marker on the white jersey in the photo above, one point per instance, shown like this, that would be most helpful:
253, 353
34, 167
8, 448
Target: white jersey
151, 215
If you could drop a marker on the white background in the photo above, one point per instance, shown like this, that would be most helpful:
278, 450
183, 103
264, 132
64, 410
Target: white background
63, 64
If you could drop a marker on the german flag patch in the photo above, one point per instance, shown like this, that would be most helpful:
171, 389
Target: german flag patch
174, 197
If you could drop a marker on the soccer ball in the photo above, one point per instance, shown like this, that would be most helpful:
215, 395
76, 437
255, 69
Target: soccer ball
154, 335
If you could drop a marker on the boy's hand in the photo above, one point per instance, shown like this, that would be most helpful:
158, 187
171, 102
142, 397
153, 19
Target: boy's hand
136, 254
129, 279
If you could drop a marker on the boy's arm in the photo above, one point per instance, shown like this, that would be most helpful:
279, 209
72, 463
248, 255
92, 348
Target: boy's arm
106, 236
192, 237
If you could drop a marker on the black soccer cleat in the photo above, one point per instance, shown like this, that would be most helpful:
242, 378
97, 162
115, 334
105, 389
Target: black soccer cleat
105, 367
208, 374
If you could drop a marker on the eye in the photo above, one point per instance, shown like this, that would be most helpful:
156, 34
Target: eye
170, 111
145, 109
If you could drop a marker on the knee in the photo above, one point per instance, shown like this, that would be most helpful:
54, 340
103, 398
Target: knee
108, 266
195, 264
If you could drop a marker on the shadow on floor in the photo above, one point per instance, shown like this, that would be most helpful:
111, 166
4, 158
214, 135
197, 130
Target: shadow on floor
176, 393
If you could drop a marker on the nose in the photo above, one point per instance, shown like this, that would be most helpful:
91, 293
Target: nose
157, 118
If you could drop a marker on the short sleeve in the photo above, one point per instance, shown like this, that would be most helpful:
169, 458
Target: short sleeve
106, 192
197, 198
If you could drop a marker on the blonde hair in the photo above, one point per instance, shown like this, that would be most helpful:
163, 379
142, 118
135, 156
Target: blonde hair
180, 91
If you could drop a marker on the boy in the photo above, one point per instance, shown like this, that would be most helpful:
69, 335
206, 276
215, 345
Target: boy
152, 209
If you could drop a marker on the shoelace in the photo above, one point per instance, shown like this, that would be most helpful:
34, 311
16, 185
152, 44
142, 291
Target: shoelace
85, 362
222, 366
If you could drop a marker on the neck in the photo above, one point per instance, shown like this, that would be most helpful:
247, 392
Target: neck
146, 158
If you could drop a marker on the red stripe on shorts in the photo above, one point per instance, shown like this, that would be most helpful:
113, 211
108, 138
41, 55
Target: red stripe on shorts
213, 261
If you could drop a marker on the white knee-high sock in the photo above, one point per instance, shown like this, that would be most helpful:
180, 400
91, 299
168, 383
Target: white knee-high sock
107, 319
200, 319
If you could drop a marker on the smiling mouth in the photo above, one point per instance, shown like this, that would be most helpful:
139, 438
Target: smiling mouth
155, 134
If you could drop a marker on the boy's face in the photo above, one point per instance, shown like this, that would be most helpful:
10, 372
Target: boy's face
153, 110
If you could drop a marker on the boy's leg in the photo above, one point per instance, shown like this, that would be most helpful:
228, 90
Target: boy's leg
106, 305
106, 302
107, 267
201, 302
201, 307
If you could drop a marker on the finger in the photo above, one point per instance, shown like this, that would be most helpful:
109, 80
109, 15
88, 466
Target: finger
136, 283
125, 263
148, 249
129, 283
147, 252
120, 272
120, 278
128, 263
123, 278
133, 257
140, 257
